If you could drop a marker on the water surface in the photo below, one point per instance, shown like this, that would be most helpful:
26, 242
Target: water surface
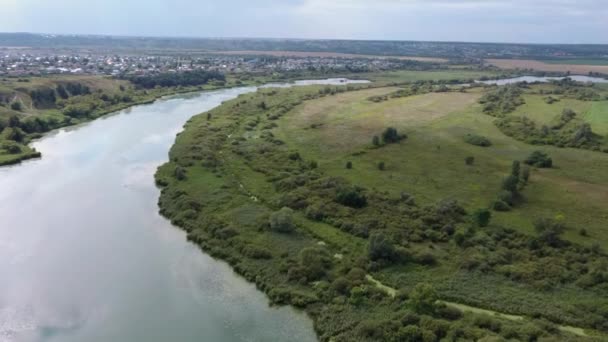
531, 79
84, 255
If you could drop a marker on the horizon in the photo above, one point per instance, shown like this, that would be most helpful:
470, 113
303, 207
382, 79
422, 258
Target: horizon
484, 21
99, 35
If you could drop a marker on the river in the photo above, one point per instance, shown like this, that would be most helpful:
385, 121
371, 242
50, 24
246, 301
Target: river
85, 256
532, 79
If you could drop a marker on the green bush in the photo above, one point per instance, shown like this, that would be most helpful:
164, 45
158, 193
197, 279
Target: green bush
481, 217
256, 252
351, 197
423, 298
16, 106
501, 206
549, 231
179, 173
315, 261
391, 136
282, 221
477, 140
539, 159
380, 247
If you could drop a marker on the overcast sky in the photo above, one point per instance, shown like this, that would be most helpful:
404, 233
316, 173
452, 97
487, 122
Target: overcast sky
541, 21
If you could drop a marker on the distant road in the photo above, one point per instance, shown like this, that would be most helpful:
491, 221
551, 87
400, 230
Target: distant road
325, 54
542, 66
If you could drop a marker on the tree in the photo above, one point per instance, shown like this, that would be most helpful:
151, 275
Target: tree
16, 106
525, 174
390, 136
282, 221
549, 231
179, 173
510, 184
14, 121
376, 140
314, 262
351, 197
539, 159
423, 298
481, 217
380, 247
349, 165
515, 168
381, 166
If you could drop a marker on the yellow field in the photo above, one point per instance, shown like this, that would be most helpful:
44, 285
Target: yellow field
538, 65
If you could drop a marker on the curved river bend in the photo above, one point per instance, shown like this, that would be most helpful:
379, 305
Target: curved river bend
84, 255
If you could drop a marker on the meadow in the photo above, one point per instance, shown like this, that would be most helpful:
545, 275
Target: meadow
430, 161
362, 206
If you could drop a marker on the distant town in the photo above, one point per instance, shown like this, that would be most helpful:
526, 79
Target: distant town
17, 63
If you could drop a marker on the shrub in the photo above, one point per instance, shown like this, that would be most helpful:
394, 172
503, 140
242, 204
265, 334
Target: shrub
423, 298
380, 247
314, 262
16, 106
179, 173
341, 286
381, 166
376, 140
11, 147
549, 231
477, 140
507, 197
481, 217
539, 159
256, 252
469, 160
391, 136
525, 174
501, 206
349, 165
510, 184
282, 221
351, 197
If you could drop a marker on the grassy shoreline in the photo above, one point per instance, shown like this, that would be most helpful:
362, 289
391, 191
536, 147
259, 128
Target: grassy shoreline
233, 170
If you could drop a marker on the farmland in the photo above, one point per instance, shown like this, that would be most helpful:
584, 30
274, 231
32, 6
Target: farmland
576, 67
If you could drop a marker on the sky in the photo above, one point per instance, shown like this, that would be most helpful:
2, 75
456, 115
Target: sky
525, 21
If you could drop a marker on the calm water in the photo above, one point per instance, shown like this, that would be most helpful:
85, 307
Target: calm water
531, 79
84, 255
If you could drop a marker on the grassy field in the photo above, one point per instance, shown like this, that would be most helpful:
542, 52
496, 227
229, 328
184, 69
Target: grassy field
575, 68
233, 170
578, 61
428, 163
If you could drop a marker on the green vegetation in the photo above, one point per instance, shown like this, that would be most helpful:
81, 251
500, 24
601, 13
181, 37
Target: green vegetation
184, 79
32, 106
400, 252
477, 140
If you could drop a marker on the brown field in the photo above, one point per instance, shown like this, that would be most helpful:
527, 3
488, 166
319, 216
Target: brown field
538, 65
326, 54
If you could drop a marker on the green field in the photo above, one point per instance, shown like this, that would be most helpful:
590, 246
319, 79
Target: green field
429, 162
376, 228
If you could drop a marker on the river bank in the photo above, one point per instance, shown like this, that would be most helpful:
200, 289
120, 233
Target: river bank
99, 263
